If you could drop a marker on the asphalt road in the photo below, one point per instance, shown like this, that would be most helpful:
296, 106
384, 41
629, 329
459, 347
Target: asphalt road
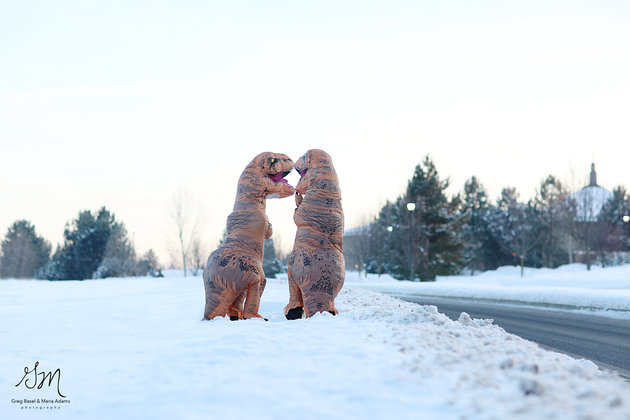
605, 341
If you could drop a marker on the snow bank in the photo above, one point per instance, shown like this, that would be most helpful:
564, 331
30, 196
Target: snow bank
136, 348
605, 290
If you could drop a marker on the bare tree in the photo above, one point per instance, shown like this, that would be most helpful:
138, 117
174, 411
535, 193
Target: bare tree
198, 253
554, 214
356, 246
22, 252
185, 214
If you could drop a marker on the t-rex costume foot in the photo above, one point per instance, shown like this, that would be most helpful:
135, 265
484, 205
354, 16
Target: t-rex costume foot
233, 277
316, 265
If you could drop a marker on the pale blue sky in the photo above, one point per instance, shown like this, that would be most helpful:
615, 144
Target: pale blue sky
121, 103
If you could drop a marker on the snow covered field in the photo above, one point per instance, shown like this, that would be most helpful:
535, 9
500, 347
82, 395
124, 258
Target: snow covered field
602, 291
136, 348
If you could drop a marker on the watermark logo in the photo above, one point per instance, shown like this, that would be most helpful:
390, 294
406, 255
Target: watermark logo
31, 379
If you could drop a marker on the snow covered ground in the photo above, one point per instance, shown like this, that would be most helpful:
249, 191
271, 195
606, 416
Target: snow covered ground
602, 291
136, 348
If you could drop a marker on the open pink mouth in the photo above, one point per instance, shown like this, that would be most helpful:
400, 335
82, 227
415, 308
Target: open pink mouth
301, 172
279, 177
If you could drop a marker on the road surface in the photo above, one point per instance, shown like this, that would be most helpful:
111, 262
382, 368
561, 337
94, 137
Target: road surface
605, 341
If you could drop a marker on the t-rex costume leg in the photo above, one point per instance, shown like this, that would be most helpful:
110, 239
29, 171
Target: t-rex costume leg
233, 276
316, 265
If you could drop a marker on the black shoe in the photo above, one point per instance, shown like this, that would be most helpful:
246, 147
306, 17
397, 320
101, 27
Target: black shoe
295, 313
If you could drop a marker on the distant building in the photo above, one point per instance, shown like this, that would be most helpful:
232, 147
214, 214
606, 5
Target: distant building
591, 199
591, 234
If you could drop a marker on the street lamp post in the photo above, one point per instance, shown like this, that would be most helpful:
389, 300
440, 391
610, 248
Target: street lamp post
390, 229
411, 207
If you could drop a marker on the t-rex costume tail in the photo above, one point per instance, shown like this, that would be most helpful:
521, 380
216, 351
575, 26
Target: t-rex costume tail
234, 274
316, 265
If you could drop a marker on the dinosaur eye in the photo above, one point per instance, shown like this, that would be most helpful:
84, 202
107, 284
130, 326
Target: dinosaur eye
272, 161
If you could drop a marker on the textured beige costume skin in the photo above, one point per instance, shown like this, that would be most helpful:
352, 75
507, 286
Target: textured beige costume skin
316, 265
233, 273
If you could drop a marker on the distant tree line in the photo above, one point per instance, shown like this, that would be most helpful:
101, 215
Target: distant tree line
468, 232
271, 263
96, 245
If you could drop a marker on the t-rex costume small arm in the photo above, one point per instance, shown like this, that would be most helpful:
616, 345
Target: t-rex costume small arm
316, 265
233, 274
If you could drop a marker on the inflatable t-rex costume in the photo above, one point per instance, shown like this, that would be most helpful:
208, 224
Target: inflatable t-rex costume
234, 270
316, 265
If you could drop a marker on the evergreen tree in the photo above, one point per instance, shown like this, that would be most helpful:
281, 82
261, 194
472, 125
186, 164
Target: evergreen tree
119, 257
53, 269
479, 248
399, 265
511, 225
271, 264
507, 225
381, 242
23, 251
94, 245
612, 233
434, 226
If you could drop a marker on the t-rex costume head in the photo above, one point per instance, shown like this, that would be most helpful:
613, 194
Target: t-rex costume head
234, 270
264, 177
316, 265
